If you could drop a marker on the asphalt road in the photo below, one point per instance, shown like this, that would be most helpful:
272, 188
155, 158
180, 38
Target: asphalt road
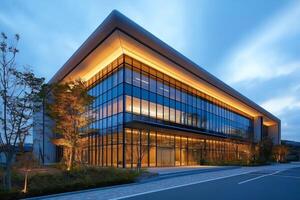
260, 185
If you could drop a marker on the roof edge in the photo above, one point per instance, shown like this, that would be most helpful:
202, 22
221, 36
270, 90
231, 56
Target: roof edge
116, 20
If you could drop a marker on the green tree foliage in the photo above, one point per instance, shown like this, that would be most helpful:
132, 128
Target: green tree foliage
67, 107
280, 153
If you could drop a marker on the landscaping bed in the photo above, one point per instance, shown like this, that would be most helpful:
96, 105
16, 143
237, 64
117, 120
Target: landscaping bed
52, 182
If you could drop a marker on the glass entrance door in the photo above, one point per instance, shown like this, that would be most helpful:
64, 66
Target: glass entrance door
165, 157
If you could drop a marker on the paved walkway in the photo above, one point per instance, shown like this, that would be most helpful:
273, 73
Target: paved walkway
120, 192
171, 170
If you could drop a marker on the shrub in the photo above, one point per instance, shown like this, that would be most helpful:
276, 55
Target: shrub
10, 195
280, 153
77, 179
265, 150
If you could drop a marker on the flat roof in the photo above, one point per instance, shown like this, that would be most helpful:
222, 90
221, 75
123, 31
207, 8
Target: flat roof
117, 21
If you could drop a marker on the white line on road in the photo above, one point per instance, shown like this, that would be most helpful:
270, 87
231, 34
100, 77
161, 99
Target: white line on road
252, 179
178, 186
295, 177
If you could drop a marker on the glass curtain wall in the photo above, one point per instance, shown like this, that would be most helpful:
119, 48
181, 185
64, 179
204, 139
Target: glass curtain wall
105, 144
157, 149
155, 97
126, 91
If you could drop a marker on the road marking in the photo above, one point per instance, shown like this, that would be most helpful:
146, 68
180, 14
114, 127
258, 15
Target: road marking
178, 186
284, 176
252, 179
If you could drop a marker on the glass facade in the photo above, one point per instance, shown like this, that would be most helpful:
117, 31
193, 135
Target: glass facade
160, 149
156, 97
127, 92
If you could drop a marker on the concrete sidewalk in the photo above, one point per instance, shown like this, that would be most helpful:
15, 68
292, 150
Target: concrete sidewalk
171, 170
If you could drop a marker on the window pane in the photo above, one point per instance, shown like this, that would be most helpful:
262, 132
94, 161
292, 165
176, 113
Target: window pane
115, 79
178, 95
166, 113
115, 120
172, 114
178, 116
104, 110
120, 104
109, 109
145, 107
115, 106
153, 85
120, 75
166, 90
128, 75
136, 105
136, 79
152, 110
128, 104
152, 156
184, 97
145, 82
159, 111
160, 89
172, 93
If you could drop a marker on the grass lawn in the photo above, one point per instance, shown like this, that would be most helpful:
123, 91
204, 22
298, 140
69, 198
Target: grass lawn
52, 180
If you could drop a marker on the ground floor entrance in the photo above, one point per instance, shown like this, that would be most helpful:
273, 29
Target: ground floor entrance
150, 148
165, 156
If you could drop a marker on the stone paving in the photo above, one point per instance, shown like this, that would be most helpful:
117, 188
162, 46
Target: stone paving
118, 192
169, 170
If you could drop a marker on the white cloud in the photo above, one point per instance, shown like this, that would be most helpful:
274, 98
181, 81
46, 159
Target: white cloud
281, 104
261, 57
262, 69
267, 59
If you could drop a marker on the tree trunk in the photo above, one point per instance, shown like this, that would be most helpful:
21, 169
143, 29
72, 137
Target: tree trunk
25, 182
7, 172
71, 159
138, 166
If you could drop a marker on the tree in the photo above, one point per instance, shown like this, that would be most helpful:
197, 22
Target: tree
265, 149
26, 163
280, 152
67, 107
253, 155
141, 148
19, 90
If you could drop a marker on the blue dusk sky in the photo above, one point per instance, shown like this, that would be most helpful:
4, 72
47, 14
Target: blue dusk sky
254, 46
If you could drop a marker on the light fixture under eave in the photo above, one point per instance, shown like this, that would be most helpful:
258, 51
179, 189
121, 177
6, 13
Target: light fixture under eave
119, 43
103, 55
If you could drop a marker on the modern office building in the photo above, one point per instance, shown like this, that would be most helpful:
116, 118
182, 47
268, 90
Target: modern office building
156, 106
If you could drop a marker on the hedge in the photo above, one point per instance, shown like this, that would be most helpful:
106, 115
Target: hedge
65, 181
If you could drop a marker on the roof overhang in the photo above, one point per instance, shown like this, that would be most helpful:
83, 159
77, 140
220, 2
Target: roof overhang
118, 35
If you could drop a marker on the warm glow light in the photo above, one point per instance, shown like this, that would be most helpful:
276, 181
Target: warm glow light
102, 64
119, 43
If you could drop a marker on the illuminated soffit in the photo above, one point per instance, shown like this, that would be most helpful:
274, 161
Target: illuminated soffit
118, 43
